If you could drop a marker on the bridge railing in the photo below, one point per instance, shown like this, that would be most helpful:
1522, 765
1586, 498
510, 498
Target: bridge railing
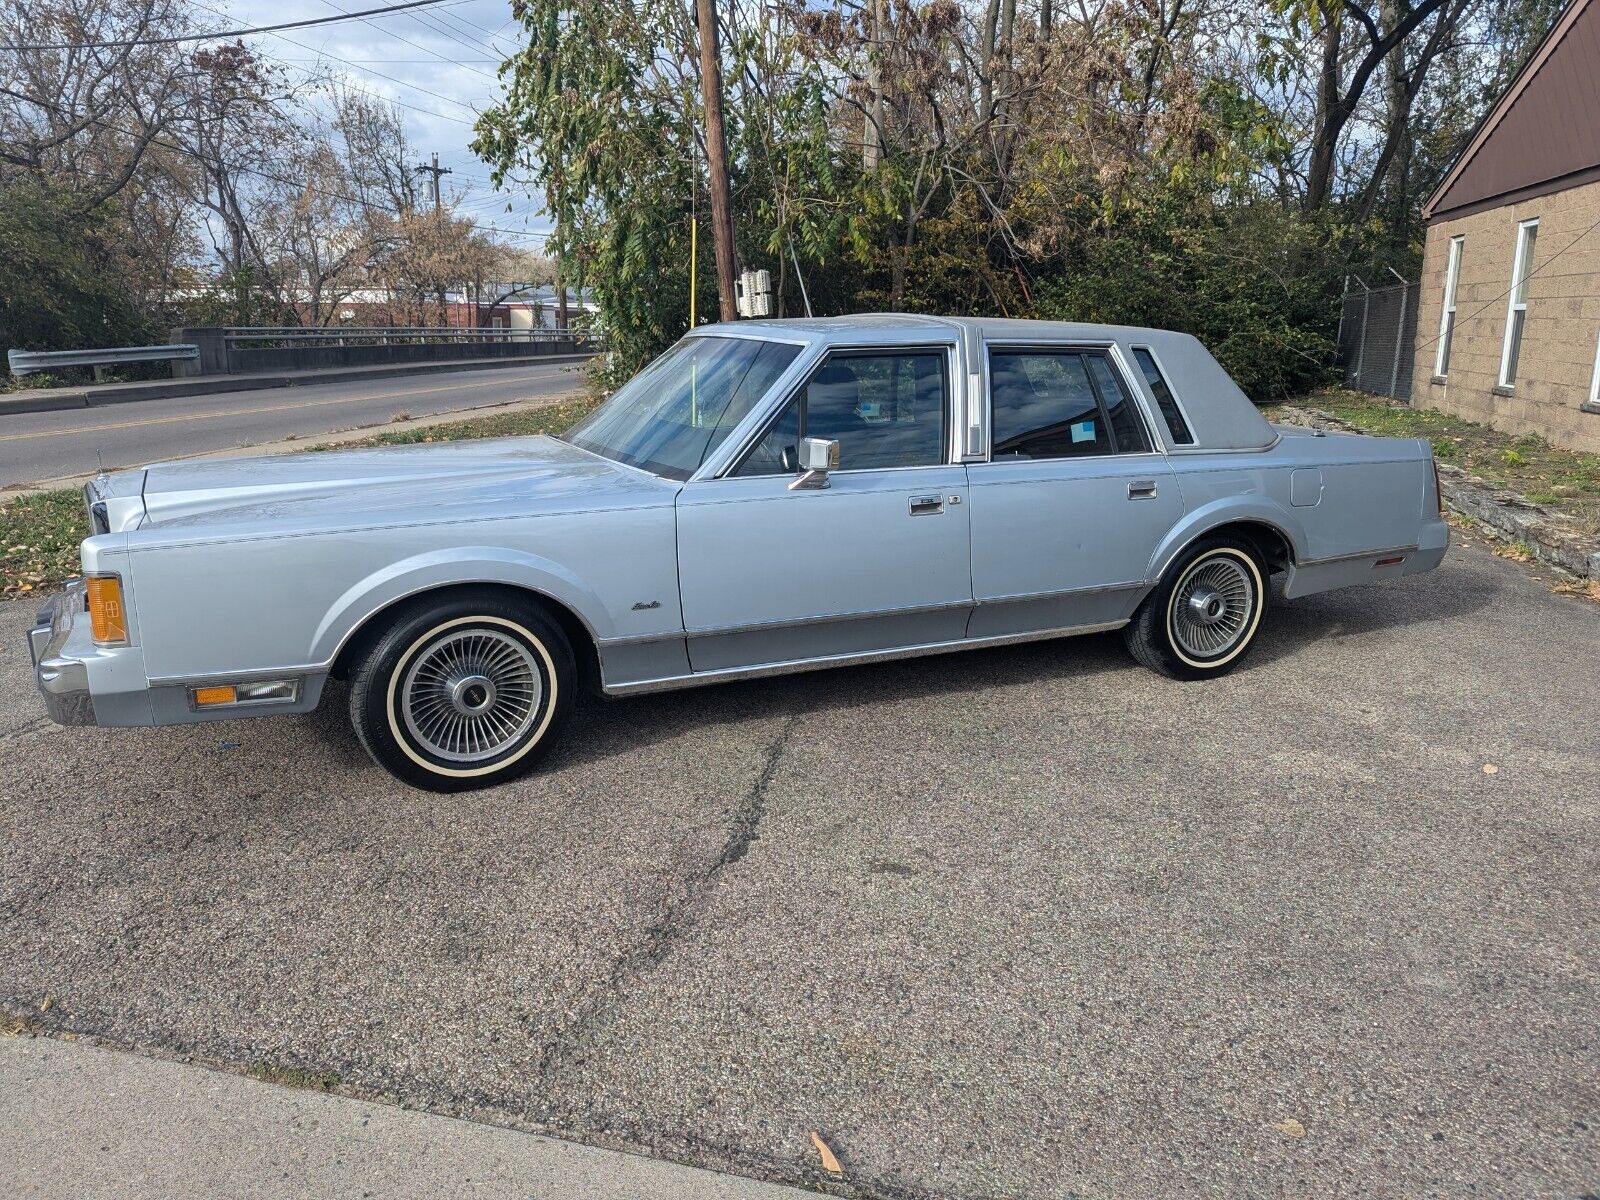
398, 335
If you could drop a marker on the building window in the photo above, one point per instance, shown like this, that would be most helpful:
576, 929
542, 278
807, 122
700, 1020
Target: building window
1447, 316
1594, 379
1517, 313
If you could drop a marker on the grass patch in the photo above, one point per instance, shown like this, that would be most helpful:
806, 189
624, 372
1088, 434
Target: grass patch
295, 1077
526, 422
1563, 480
39, 538
39, 534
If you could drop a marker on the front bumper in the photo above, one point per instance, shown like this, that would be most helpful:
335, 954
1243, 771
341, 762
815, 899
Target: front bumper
62, 678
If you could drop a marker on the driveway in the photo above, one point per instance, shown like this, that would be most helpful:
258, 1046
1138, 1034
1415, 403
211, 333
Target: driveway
1020, 922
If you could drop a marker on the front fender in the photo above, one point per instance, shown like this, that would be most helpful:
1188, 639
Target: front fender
444, 568
1227, 510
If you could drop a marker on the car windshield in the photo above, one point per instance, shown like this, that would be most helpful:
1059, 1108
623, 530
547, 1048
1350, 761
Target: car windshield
668, 418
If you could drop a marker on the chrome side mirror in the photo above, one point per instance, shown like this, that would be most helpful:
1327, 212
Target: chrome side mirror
818, 456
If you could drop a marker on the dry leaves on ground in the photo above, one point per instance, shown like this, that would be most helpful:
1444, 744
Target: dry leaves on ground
829, 1162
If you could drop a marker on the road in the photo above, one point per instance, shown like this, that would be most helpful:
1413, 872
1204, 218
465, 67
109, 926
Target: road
1029, 922
50, 445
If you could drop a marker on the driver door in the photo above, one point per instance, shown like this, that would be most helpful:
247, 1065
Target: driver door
879, 559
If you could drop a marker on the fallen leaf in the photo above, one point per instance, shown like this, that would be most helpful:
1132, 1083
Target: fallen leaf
1490, 769
829, 1162
1289, 1127
49, 1002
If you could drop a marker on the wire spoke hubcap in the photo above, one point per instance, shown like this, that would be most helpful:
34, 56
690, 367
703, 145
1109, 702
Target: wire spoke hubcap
1212, 608
471, 695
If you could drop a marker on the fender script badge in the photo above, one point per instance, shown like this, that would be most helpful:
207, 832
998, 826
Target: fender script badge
641, 606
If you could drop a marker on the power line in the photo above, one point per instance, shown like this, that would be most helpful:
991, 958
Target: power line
323, 57
230, 33
416, 45
273, 177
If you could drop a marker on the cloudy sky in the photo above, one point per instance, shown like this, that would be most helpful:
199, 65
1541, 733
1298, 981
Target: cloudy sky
437, 63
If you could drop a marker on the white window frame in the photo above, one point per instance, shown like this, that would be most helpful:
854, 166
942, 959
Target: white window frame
1594, 379
1521, 268
1447, 314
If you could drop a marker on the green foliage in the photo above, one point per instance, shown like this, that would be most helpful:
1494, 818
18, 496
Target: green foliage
1243, 279
57, 290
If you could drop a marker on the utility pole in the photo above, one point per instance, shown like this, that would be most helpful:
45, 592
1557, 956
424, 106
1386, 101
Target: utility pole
717, 158
435, 170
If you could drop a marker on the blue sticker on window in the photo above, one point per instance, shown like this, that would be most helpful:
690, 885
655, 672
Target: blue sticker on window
1083, 431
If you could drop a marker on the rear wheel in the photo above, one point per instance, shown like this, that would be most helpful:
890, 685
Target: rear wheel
1203, 617
464, 692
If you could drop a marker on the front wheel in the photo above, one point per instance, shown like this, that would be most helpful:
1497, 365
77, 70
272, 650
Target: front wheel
1203, 616
463, 692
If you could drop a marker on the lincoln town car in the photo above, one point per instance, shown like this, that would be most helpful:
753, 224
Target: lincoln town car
765, 497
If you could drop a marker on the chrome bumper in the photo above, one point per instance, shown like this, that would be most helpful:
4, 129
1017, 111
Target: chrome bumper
63, 681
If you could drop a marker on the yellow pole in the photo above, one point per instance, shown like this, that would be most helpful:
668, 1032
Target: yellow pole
694, 251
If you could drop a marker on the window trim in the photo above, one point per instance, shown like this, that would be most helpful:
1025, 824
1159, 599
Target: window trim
1526, 231
1171, 444
1594, 380
1447, 309
1119, 368
946, 349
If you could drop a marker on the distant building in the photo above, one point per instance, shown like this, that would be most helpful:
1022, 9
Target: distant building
520, 306
1508, 328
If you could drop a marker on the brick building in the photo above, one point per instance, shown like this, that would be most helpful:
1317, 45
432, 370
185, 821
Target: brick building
1508, 327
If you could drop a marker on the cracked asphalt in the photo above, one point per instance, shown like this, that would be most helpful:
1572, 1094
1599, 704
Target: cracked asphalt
1022, 922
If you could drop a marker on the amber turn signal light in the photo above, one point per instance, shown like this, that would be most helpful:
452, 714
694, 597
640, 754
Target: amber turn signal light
213, 695
108, 620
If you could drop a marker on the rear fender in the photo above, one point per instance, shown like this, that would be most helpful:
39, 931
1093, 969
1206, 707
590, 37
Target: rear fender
1227, 510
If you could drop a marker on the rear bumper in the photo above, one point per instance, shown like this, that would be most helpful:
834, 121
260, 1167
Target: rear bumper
1371, 566
63, 678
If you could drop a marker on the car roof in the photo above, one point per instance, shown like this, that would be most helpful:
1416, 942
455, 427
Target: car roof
911, 326
1219, 414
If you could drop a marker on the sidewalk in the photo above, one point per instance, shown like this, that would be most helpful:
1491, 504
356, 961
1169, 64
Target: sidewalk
94, 395
86, 1123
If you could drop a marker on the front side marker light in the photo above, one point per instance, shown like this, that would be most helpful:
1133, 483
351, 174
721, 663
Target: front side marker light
266, 691
108, 619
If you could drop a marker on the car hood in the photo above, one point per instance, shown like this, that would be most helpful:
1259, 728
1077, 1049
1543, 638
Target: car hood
390, 485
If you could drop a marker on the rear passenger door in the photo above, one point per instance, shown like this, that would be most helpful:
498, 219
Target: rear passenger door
1068, 510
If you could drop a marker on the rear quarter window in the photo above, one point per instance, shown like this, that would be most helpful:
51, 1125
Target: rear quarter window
1177, 427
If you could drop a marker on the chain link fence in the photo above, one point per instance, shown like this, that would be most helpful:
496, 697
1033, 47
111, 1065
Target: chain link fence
1378, 338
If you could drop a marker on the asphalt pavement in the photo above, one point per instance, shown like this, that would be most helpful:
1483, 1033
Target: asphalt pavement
52, 445
1024, 922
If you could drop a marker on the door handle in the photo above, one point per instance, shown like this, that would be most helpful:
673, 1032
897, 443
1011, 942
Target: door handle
1142, 489
922, 506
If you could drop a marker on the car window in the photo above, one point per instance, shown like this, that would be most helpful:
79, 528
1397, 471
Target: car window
1165, 400
1059, 404
885, 410
673, 414
1131, 435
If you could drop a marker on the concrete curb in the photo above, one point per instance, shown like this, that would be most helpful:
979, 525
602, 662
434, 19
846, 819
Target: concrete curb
1502, 513
89, 1122
95, 395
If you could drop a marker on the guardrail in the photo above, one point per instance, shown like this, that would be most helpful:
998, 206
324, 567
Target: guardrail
27, 362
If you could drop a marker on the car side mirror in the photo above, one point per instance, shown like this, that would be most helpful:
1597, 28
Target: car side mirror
818, 456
